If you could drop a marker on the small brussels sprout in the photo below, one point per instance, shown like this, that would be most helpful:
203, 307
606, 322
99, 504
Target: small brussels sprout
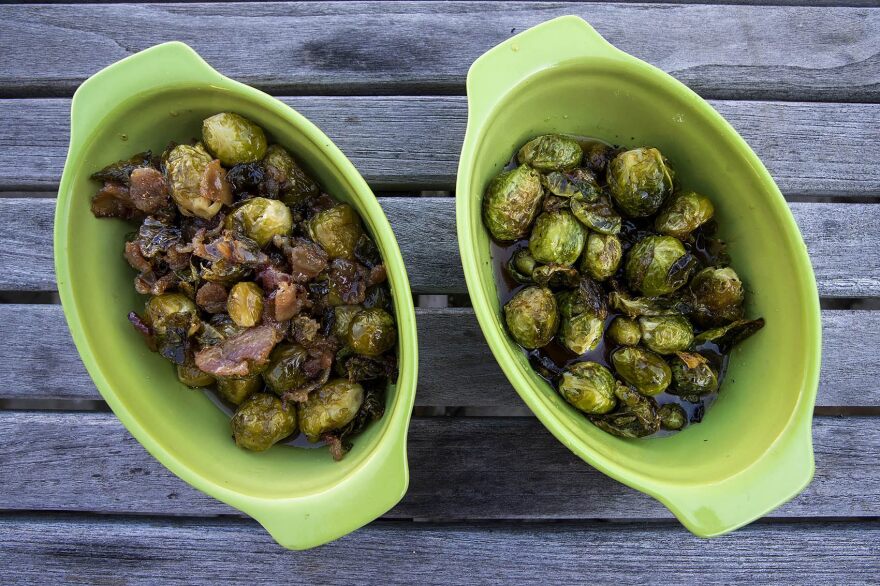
532, 317
581, 326
245, 304
511, 203
718, 296
233, 138
235, 390
556, 276
261, 219
596, 213
342, 316
637, 415
684, 213
262, 421
577, 182
296, 186
557, 238
332, 406
666, 334
185, 167
589, 387
640, 180
672, 416
624, 331
551, 152
162, 311
602, 256
521, 266
337, 230
692, 375
726, 337
641, 368
372, 332
658, 265
285, 369
191, 376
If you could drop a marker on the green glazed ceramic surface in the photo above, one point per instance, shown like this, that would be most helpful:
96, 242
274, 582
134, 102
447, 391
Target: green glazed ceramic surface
753, 450
301, 496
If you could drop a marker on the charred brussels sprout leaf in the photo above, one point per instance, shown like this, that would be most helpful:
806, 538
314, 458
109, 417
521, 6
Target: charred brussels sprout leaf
551, 152
640, 180
658, 265
726, 337
285, 370
624, 332
372, 332
666, 334
569, 184
262, 421
684, 213
596, 213
589, 387
637, 415
717, 296
511, 203
235, 390
636, 306
521, 266
337, 230
532, 317
233, 138
191, 376
555, 276
641, 368
602, 256
672, 416
331, 407
261, 219
557, 238
245, 304
120, 171
185, 167
295, 185
692, 375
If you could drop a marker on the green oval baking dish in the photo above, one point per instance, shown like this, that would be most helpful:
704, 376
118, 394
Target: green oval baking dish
301, 496
753, 450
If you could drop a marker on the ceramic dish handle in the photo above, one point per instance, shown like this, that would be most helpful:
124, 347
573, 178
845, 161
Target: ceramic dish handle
549, 44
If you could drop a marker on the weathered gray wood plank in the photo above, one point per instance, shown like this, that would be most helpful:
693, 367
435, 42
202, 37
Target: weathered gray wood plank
75, 550
457, 369
839, 237
461, 468
812, 149
395, 47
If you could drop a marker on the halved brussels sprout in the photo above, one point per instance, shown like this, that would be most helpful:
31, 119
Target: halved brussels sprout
624, 331
233, 138
588, 386
262, 421
185, 167
672, 416
726, 337
557, 238
532, 317
602, 256
692, 375
245, 304
521, 265
666, 334
637, 415
658, 265
640, 180
285, 370
596, 213
296, 185
551, 152
577, 182
261, 219
555, 276
191, 376
236, 389
372, 332
331, 407
718, 296
683, 214
511, 203
641, 368
337, 230
163, 312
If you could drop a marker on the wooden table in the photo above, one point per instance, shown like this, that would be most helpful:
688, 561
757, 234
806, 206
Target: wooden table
493, 497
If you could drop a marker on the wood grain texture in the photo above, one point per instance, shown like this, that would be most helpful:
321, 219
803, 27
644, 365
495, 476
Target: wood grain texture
461, 468
839, 237
76, 550
457, 369
396, 47
811, 149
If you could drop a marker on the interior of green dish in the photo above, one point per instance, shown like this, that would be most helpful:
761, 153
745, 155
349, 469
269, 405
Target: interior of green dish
182, 421
769, 372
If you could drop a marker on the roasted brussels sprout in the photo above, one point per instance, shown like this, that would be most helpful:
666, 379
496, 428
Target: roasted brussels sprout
637, 415
636, 306
191, 376
337, 230
285, 370
185, 167
261, 219
658, 265
672, 416
521, 266
233, 138
666, 334
596, 213
624, 331
641, 368
555, 276
683, 214
165, 311
581, 324
577, 182
640, 180
342, 316
602, 256
532, 317
692, 375
551, 152
588, 386
557, 238
331, 407
726, 337
262, 421
511, 203
718, 296
236, 389
245, 304
372, 332
296, 185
